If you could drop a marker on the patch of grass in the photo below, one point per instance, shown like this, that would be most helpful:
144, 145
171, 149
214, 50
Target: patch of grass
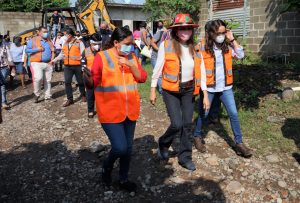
263, 136
144, 89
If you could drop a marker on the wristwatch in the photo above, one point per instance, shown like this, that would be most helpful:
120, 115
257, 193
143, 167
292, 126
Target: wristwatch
232, 40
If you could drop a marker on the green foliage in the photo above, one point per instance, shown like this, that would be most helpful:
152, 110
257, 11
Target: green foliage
232, 24
31, 5
290, 5
250, 57
167, 9
82, 4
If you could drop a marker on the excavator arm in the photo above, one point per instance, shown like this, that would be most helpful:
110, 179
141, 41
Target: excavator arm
86, 16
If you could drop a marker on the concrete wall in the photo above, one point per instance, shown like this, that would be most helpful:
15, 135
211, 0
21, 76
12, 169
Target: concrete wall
270, 33
17, 22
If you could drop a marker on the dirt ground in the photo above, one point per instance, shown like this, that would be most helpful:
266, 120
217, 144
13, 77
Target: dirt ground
47, 155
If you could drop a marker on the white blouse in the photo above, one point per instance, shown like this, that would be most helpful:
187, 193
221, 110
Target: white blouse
187, 62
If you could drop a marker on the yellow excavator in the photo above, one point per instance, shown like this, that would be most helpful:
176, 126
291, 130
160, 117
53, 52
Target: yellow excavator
73, 18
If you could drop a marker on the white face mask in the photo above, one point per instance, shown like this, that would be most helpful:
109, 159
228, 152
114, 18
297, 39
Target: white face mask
96, 47
220, 38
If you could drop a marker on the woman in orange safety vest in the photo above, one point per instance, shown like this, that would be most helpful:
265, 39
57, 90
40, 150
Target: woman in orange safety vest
181, 68
218, 50
115, 73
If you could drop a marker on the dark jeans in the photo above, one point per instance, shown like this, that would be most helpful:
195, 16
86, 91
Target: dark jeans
121, 139
227, 98
69, 72
180, 107
90, 97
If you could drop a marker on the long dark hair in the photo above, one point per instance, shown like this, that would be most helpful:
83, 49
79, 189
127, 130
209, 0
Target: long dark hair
119, 34
211, 31
176, 45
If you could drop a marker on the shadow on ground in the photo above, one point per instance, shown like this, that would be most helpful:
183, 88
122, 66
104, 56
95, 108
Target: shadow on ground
291, 130
35, 172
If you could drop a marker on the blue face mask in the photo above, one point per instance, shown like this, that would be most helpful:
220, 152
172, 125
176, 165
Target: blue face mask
45, 35
125, 49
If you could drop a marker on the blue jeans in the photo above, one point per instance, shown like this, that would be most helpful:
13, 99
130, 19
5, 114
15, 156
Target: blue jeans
4, 74
90, 97
227, 98
54, 29
153, 63
121, 139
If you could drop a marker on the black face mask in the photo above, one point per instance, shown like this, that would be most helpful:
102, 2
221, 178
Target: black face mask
103, 31
86, 38
18, 44
7, 39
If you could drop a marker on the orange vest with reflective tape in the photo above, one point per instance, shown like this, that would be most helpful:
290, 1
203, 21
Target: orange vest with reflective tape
89, 56
116, 95
72, 54
171, 74
209, 62
36, 43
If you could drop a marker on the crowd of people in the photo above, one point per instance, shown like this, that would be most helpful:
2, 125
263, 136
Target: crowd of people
108, 69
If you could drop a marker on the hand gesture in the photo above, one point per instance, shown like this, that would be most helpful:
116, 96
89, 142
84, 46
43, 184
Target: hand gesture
229, 35
41, 49
206, 104
153, 96
123, 61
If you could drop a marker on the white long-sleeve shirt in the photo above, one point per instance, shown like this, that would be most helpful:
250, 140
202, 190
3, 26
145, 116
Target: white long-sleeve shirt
187, 62
220, 74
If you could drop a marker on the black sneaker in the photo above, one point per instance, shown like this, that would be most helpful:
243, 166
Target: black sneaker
106, 177
162, 152
128, 186
188, 165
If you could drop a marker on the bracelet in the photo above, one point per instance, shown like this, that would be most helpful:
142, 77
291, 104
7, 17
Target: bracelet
232, 40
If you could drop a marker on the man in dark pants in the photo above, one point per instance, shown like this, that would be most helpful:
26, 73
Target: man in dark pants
71, 53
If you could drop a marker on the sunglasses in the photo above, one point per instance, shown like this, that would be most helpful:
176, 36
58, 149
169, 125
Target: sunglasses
221, 33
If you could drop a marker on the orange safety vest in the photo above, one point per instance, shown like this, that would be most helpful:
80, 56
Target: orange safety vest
171, 74
72, 54
36, 43
89, 56
209, 62
116, 95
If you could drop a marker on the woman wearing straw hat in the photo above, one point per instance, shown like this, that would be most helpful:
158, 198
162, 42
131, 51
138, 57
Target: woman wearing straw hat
181, 68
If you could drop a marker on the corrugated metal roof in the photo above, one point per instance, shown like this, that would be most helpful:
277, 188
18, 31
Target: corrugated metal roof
227, 4
129, 2
236, 14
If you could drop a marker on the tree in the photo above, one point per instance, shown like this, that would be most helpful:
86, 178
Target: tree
31, 5
167, 9
290, 5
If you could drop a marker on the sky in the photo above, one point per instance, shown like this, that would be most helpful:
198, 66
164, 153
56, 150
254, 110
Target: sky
72, 2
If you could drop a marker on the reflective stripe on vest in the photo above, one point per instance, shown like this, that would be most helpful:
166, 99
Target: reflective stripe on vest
109, 60
171, 77
130, 87
209, 62
116, 95
171, 70
36, 57
72, 55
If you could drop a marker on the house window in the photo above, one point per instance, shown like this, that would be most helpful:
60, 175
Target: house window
219, 5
